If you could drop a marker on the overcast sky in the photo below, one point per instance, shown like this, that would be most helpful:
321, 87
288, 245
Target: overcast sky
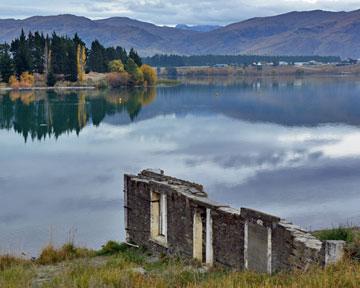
170, 12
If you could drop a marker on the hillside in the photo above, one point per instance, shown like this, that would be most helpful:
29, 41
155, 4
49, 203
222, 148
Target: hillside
295, 33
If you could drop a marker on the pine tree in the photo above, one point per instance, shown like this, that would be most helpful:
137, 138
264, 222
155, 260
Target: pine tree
121, 54
6, 64
134, 55
71, 71
37, 53
21, 54
97, 58
136, 75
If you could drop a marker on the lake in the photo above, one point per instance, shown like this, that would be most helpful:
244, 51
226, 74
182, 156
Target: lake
290, 147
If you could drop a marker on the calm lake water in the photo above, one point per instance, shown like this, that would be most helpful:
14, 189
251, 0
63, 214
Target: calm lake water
290, 147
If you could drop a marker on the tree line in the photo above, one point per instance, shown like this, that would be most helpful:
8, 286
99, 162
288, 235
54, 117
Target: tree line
211, 60
61, 57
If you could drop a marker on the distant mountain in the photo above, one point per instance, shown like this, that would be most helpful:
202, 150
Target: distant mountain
295, 33
198, 28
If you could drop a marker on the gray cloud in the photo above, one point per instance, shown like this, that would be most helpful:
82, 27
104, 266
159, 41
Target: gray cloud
171, 12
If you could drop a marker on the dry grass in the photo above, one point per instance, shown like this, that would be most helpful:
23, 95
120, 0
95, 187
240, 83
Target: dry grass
131, 267
52, 255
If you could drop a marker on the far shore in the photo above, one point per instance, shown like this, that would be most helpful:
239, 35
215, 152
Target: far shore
49, 88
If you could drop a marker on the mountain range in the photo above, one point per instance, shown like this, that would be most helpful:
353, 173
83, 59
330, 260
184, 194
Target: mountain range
295, 33
198, 28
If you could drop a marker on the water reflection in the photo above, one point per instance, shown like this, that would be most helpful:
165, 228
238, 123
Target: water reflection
45, 114
288, 147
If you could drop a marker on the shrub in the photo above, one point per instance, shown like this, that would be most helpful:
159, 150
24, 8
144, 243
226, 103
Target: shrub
116, 66
51, 80
340, 233
117, 80
26, 80
14, 82
112, 247
149, 73
51, 255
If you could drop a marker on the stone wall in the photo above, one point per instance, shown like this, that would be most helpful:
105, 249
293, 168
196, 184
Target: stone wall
237, 238
228, 231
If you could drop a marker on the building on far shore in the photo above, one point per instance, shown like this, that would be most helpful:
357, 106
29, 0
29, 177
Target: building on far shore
175, 217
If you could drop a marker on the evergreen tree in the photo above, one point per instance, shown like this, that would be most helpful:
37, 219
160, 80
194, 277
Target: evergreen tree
97, 58
71, 67
58, 55
6, 64
37, 53
134, 55
121, 54
136, 75
21, 54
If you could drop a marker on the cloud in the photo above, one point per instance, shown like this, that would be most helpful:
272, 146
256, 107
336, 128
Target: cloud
171, 12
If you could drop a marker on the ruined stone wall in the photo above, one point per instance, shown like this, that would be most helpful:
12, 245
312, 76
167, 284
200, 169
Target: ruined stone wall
180, 213
240, 239
228, 238
298, 248
138, 210
180, 224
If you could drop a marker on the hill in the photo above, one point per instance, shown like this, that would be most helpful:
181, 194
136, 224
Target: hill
296, 33
198, 28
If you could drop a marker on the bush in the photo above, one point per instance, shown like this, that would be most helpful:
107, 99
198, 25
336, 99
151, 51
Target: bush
117, 80
51, 80
27, 80
340, 233
51, 255
112, 247
14, 82
149, 73
116, 66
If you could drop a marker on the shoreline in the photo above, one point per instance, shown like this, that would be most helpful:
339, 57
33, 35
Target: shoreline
49, 88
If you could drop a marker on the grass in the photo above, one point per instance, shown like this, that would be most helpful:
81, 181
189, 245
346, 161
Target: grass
350, 235
339, 233
119, 265
52, 255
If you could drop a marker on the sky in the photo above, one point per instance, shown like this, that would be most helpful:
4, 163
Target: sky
170, 12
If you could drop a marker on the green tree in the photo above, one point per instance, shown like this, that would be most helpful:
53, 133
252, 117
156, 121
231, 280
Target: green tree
134, 55
136, 75
97, 58
116, 66
21, 54
6, 63
37, 52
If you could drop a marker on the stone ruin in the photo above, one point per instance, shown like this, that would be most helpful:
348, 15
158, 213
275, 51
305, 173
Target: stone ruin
176, 217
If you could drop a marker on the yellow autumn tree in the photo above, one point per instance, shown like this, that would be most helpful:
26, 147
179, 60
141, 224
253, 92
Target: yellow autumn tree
26, 80
14, 82
150, 76
81, 62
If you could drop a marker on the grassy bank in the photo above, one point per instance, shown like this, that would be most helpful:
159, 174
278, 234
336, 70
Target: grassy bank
119, 265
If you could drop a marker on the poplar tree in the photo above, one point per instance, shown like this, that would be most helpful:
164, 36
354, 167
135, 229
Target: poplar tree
81, 62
